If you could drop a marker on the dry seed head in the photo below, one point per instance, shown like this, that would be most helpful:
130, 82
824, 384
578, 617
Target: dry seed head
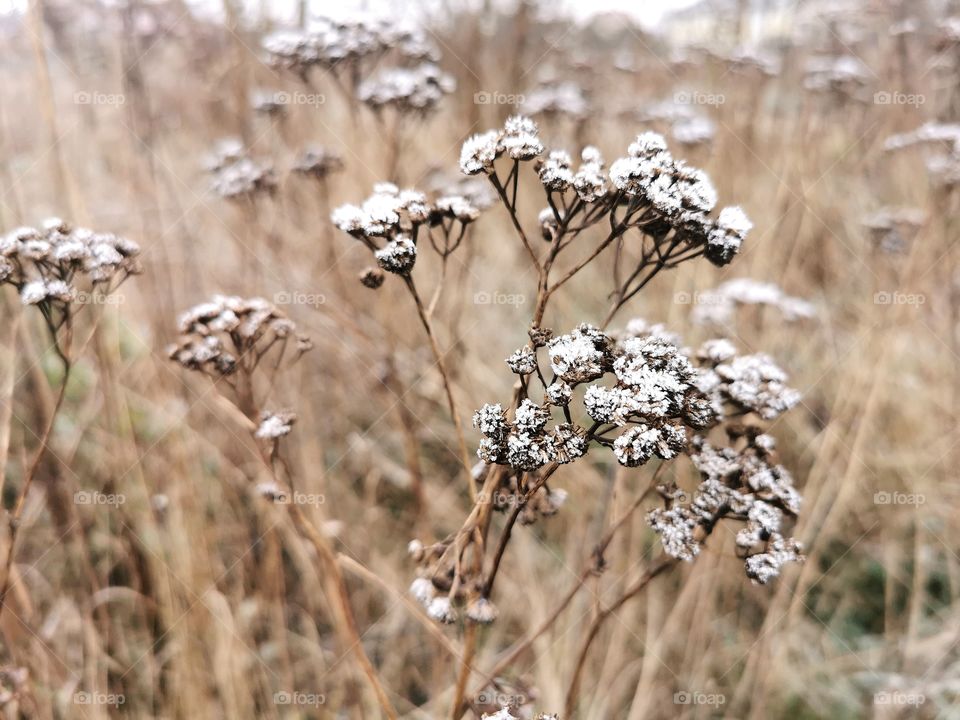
398, 256
441, 610
274, 425
318, 162
372, 278
523, 361
557, 98
481, 611
412, 90
48, 265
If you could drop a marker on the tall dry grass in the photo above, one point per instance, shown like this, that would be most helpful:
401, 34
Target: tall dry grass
192, 597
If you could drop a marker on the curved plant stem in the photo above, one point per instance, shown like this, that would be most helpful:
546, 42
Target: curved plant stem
15, 517
447, 384
337, 589
590, 568
463, 677
598, 622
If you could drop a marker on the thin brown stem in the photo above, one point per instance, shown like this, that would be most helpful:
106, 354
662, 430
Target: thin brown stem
447, 383
337, 588
597, 624
512, 211
15, 517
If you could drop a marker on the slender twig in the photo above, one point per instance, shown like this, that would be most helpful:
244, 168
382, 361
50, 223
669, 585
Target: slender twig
574, 690
447, 383
511, 210
14, 518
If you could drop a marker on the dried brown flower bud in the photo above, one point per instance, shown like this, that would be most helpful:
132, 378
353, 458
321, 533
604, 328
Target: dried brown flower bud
372, 278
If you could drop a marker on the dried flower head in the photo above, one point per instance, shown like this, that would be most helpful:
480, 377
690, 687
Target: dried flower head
52, 265
557, 98
318, 162
523, 361
409, 90
342, 44
216, 336
677, 530
519, 139
481, 611
238, 176
270, 103
892, 228
390, 221
372, 278
726, 235
275, 425
718, 306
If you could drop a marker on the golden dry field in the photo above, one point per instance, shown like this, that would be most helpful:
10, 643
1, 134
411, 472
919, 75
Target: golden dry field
473, 360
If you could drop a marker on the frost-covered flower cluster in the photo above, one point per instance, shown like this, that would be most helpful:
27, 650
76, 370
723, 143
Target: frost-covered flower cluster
944, 169
344, 44
52, 265
741, 484
245, 178
269, 102
943, 166
589, 181
526, 443
236, 175
698, 130
413, 90
228, 332
225, 151
658, 393
671, 187
845, 74
557, 98
718, 306
751, 383
746, 60
318, 162
930, 133
390, 221
682, 198
686, 126
434, 590
662, 402
519, 139
275, 425
892, 228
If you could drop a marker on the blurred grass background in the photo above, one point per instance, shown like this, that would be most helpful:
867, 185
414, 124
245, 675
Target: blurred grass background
187, 598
